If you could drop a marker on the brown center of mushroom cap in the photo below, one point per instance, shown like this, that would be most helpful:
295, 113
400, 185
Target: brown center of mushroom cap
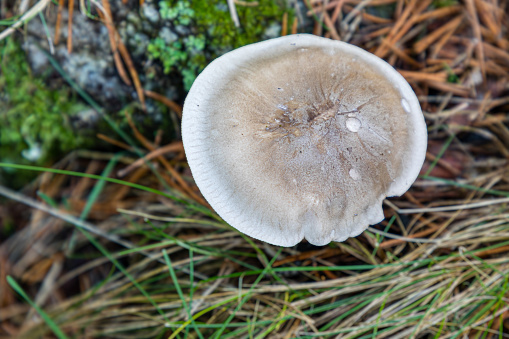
308, 146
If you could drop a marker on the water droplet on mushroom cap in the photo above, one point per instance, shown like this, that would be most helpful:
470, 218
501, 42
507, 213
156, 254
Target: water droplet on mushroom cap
406, 105
353, 124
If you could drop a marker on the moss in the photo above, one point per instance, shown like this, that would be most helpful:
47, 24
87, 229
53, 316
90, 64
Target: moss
444, 3
209, 32
36, 121
213, 19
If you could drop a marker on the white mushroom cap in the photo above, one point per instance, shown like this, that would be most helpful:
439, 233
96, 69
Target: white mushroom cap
302, 137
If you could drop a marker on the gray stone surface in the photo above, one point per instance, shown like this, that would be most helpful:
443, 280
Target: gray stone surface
91, 63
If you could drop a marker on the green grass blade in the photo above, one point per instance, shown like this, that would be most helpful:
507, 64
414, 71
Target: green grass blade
111, 180
51, 324
179, 292
94, 195
248, 295
440, 154
123, 270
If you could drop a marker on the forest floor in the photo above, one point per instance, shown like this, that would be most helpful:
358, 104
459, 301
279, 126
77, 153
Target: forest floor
122, 245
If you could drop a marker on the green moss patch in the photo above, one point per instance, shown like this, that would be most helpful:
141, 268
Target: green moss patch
210, 32
35, 120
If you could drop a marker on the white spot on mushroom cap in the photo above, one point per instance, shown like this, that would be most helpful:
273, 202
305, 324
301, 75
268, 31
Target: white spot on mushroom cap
257, 175
354, 174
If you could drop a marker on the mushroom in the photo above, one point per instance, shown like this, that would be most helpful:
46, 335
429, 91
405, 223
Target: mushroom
302, 137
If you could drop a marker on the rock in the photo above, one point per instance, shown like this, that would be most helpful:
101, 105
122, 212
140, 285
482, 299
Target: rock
168, 35
91, 64
150, 12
